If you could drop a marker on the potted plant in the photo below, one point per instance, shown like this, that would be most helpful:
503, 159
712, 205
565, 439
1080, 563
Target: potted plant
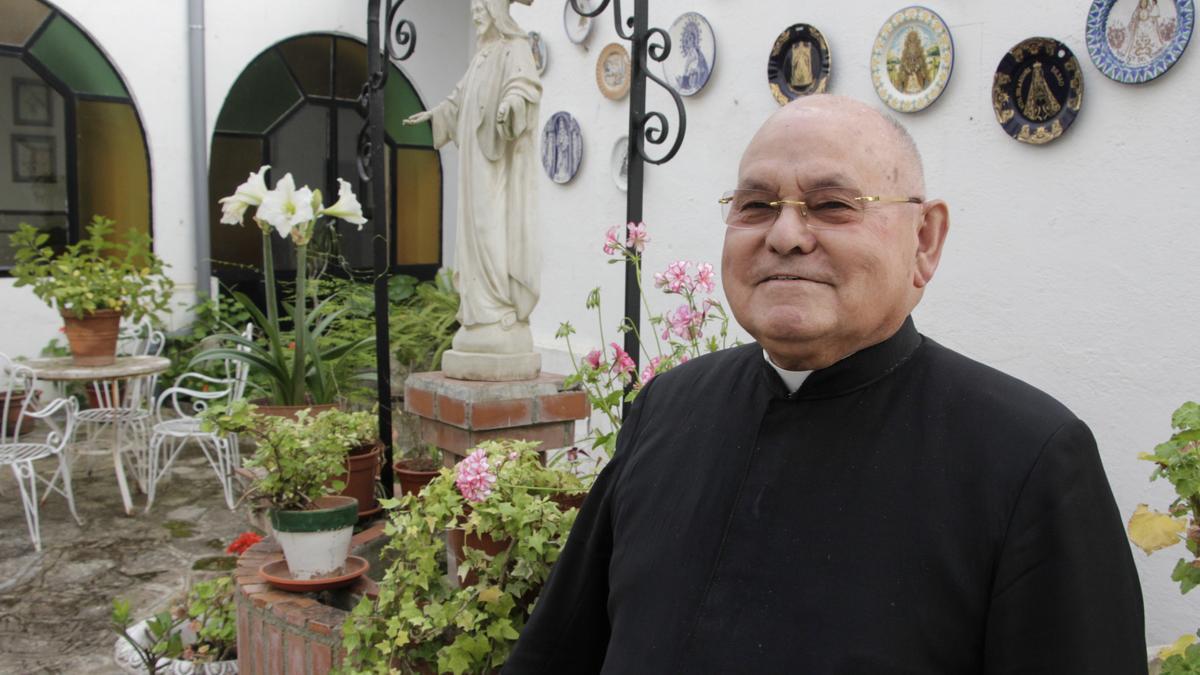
297, 462
500, 499
1178, 461
196, 635
93, 283
416, 468
357, 432
300, 371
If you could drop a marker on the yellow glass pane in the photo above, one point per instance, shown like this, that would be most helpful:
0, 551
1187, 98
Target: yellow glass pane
19, 19
114, 176
417, 220
233, 159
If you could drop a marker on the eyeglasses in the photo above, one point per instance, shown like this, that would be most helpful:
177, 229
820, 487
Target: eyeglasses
822, 208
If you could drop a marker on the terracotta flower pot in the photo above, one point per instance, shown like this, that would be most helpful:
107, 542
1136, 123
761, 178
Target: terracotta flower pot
414, 474
16, 402
362, 471
93, 337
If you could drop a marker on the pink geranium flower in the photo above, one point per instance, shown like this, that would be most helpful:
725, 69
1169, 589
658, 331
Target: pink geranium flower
676, 279
611, 242
474, 477
594, 358
704, 277
684, 322
622, 363
650, 370
637, 237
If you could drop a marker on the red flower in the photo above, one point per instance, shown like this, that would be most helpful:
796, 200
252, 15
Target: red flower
244, 541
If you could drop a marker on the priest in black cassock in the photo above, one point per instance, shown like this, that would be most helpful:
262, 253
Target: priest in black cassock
845, 495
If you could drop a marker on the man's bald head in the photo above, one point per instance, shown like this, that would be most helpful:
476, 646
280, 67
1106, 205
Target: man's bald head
883, 135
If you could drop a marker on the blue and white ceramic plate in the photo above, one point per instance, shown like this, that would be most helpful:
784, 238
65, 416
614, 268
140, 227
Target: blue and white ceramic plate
693, 54
540, 56
562, 147
912, 59
799, 63
1037, 90
575, 24
1135, 41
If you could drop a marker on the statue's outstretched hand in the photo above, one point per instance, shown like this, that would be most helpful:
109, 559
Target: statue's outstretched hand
423, 116
503, 112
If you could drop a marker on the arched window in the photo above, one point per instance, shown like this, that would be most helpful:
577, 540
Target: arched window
294, 107
73, 137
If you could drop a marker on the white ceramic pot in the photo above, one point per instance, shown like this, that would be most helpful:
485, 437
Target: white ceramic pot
316, 543
128, 660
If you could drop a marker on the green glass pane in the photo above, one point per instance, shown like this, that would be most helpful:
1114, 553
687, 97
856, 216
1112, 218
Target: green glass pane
69, 54
309, 58
20, 19
260, 96
401, 101
351, 68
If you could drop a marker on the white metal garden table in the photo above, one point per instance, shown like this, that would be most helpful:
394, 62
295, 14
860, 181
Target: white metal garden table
114, 376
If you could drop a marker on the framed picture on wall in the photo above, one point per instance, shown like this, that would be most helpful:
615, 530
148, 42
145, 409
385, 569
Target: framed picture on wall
32, 105
34, 159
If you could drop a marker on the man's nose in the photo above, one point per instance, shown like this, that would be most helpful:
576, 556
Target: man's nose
790, 232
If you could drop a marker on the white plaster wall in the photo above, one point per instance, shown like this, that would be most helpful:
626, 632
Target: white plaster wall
1069, 265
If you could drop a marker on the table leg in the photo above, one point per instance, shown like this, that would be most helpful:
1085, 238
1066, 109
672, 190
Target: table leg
119, 465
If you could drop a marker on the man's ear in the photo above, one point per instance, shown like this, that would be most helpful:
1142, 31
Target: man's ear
931, 235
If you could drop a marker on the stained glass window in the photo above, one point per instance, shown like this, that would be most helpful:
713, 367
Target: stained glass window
74, 140
294, 107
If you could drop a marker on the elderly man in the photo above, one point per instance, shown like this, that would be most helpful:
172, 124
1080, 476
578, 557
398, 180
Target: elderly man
844, 496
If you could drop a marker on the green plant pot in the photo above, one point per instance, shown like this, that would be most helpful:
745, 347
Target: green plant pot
316, 542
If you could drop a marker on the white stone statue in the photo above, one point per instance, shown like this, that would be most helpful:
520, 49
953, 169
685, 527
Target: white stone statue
492, 115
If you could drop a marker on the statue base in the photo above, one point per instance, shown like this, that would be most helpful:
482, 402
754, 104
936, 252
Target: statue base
491, 367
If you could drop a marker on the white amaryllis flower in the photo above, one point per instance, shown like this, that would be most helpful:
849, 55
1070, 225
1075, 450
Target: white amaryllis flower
250, 193
346, 207
286, 208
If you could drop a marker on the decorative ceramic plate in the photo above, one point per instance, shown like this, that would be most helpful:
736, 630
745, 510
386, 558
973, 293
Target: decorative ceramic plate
562, 147
614, 72
540, 56
693, 54
620, 163
799, 63
1037, 90
575, 24
1137, 40
276, 573
912, 59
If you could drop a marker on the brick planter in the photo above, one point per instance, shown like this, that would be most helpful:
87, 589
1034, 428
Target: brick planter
294, 633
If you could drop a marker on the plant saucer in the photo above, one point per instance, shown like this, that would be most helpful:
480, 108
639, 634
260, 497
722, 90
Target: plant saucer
277, 574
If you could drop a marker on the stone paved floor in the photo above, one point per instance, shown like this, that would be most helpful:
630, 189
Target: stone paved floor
54, 605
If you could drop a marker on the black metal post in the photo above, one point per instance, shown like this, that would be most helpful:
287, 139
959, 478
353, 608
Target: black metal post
644, 127
401, 40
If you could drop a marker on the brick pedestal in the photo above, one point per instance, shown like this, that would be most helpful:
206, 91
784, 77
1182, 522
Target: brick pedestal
456, 415
293, 633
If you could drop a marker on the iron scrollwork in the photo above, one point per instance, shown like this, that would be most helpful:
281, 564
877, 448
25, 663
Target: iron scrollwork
399, 43
653, 127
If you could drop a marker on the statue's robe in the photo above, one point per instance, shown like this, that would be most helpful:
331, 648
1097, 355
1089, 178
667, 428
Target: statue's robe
497, 262
907, 510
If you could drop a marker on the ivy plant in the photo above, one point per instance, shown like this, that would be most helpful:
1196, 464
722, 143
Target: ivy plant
98, 272
424, 620
1178, 461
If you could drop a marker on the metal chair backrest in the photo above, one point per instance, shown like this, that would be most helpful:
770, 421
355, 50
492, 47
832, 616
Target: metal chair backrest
138, 339
20, 392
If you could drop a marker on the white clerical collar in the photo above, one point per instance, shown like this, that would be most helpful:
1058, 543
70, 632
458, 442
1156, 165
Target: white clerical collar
792, 379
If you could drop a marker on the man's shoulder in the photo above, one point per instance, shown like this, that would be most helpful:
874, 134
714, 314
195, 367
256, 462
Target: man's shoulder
711, 368
965, 384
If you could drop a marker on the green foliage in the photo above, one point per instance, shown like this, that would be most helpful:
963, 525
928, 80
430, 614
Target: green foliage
1187, 663
422, 618
1178, 461
96, 273
422, 325
212, 316
212, 612
299, 458
163, 640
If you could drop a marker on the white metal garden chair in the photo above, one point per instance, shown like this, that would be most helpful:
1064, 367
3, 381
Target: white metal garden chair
172, 433
19, 447
127, 403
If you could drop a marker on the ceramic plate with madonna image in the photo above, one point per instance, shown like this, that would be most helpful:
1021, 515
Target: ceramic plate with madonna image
1135, 41
912, 59
799, 63
1037, 90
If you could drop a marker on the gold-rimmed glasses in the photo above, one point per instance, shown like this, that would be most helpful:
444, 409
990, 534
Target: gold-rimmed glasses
820, 208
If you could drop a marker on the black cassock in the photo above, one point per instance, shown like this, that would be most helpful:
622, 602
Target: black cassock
908, 510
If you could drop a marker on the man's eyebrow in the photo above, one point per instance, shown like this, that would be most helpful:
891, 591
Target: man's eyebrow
835, 179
